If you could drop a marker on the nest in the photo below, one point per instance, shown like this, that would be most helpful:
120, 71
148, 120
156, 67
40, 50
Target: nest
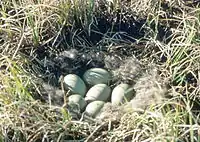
149, 87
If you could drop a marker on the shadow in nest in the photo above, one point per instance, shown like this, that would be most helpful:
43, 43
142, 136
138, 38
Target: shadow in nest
76, 49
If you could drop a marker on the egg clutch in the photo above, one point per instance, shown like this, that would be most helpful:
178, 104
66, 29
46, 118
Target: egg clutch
90, 93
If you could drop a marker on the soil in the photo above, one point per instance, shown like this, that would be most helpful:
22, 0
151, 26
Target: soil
93, 49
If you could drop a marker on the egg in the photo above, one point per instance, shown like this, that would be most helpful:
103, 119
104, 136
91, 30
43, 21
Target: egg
95, 76
75, 84
100, 92
94, 108
77, 100
121, 93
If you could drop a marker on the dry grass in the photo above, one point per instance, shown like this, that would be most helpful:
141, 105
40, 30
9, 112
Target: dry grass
27, 25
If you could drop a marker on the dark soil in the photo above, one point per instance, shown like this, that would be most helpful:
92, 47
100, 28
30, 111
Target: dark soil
91, 48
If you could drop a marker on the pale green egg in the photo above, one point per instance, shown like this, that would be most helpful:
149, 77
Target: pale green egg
77, 100
94, 108
95, 76
75, 84
100, 92
121, 93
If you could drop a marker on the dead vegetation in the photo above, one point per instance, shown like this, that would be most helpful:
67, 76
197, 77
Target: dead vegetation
35, 33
